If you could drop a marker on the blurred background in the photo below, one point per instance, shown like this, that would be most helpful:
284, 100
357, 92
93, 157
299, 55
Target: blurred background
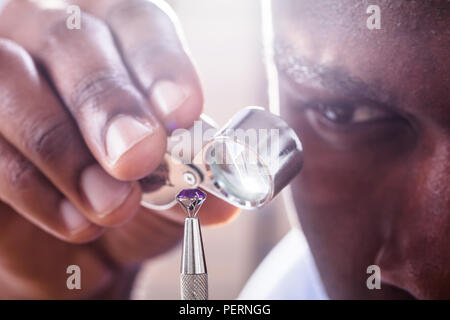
226, 43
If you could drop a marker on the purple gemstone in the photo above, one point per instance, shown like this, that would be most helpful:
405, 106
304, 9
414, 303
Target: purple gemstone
191, 194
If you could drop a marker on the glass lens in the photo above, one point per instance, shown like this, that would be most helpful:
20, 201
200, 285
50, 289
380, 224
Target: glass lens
238, 171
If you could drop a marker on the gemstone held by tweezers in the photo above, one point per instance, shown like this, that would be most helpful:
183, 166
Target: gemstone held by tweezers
191, 200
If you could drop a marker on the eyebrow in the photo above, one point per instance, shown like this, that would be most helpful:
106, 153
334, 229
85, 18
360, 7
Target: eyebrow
302, 71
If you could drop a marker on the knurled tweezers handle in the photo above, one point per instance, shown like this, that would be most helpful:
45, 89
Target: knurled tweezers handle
194, 286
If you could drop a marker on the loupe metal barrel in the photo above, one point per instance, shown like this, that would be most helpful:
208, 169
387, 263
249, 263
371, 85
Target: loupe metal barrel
246, 163
252, 158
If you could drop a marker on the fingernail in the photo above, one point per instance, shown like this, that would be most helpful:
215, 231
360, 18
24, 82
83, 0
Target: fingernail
104, 193
123, 133
166, 96
73, 219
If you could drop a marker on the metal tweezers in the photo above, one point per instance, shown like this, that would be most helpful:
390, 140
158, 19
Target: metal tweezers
194, 276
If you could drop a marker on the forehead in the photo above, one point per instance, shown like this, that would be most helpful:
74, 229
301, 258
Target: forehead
408, 58
398, 15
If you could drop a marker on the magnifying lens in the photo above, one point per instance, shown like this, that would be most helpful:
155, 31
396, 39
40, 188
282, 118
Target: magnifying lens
246, 163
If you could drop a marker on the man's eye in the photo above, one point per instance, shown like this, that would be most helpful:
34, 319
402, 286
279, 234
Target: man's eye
352, 113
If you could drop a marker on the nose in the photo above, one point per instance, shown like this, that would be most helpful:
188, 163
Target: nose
416, 254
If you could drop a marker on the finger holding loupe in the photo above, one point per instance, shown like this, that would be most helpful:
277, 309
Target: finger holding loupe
246, 163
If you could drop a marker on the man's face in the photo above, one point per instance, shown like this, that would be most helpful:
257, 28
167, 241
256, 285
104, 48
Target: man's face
372, 110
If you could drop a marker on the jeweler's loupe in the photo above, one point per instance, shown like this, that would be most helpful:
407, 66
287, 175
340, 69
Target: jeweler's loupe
246, 163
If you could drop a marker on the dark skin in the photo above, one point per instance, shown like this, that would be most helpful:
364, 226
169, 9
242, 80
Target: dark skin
372, 111
371, 108
81, 120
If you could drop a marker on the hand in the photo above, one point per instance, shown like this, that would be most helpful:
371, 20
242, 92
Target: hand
83, 115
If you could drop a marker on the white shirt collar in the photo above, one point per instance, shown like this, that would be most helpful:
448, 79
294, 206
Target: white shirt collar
287, 273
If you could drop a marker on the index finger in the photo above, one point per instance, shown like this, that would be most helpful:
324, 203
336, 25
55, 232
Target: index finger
152, 45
